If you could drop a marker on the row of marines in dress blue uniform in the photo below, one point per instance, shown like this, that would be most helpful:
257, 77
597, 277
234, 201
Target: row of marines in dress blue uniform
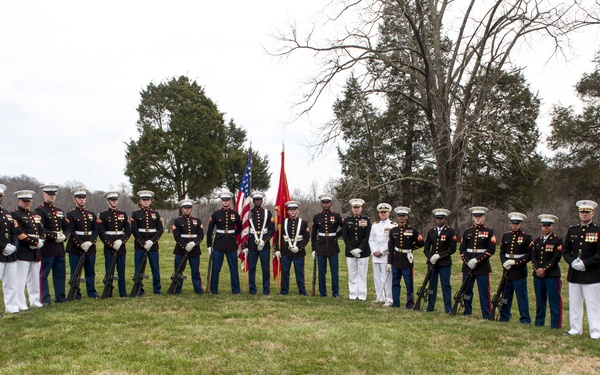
113, 225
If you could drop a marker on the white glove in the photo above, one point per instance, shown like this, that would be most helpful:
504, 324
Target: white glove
508, 264
86, 246
60, 237
278, 254
410, 257
472, 263
189, 246
388, 267
148, 245
355, 252
261, 245
245, 251
209, 249
9, 249
40, 244
117, 244
286, 238
578, 265
434, 258
294, 249
314, 254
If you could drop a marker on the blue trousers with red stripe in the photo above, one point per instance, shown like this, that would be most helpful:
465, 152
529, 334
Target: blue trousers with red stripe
483, 286
408, 276
548, 290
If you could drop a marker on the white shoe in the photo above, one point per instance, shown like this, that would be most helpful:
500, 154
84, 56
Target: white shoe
387, 304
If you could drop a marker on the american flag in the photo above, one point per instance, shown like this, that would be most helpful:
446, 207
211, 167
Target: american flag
243, 206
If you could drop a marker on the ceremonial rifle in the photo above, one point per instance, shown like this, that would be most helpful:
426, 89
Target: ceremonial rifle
110, 277
208, 271
138, 277
461, 296
314, 279
498, 301
76, 279
178, 276
424, 292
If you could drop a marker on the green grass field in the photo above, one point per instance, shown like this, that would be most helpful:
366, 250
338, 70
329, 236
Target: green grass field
222, 333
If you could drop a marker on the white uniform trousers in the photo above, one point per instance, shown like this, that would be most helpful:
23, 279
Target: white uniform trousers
383, 283
357, 277
590, 293
28, 273
8, 271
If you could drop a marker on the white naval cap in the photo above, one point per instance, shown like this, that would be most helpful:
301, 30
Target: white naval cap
292, 204
49, 188
516, 217
79, 191
145, 194
356, 202
586, 205
401, 210
384, 207
440, 212
225, 195
186, 203
478, 210
25, 195
257, 195
2, 189
547, 218
112, 195
326, 198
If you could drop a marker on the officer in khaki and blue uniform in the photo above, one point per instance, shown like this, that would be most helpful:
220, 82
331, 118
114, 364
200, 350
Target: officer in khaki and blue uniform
355, 231
29, 256
54, 226
226, 224
188, 233
582, 252
326, 229
403, 239
515, 253
478, 244
440, 244
545, 256
115, 231
262, 228
8, 257
83, 230
147, 228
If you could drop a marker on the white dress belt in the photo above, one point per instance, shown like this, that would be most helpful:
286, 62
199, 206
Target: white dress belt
479, 251
515, 256
114, 232
327, 234
189, 235
82, 233
226, 231
147, 230
406, 251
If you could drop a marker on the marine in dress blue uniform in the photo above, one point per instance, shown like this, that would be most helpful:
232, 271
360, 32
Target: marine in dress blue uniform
262, 229
515, 253
29, 257
356, 231
83, 230
225, 224
114, 231
403, 239
147, 228
54, 227
440, 244
545, 256
296, 235
478, 244
581, 251
188, 233
326, 229
8, 257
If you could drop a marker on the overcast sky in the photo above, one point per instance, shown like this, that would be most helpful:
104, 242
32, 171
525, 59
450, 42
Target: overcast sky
71, 73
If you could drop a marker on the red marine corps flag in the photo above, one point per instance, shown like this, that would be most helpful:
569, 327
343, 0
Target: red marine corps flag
283, 196
243, 208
